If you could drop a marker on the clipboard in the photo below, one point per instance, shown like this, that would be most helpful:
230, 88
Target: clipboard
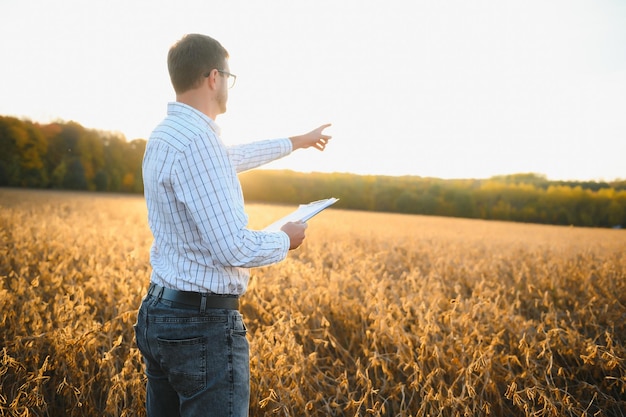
303, 213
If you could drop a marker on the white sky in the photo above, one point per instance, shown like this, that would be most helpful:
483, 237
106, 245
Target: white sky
449, 89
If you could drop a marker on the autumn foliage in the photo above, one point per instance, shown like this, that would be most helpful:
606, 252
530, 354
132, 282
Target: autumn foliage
68, 156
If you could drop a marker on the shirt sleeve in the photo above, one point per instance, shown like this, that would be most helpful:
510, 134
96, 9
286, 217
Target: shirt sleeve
208, 188
253, 155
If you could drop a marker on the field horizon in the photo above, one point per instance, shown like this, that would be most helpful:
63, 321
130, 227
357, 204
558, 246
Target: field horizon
375, 315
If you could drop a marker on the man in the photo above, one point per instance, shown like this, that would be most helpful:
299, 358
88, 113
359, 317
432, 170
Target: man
189, 329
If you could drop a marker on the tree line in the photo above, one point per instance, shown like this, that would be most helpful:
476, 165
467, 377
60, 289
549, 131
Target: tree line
65, 155
529, 198
68, 156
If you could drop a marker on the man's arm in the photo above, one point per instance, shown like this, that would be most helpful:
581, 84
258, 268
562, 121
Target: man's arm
315, 138
255, 154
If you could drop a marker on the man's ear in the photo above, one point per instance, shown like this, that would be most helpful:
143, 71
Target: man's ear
212, 79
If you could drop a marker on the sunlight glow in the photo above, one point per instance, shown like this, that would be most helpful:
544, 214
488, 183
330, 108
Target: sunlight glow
446, 89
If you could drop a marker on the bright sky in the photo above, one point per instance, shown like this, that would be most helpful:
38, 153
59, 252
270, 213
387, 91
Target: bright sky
448, 89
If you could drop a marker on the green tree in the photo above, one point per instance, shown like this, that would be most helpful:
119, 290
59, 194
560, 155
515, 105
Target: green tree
74, 178
24, 149
407, 202
10, 169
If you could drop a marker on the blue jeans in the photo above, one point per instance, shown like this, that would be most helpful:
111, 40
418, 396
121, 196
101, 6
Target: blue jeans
197, 363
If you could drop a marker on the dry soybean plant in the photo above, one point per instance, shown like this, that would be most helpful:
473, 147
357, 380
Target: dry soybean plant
376, 315
73, 269
397, 315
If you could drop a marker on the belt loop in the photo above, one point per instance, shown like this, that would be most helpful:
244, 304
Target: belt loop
160, 294
203, 303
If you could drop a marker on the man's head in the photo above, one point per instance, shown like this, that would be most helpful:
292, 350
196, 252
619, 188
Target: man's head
192, 58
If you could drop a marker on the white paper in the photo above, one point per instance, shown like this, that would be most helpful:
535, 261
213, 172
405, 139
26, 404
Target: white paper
303, 213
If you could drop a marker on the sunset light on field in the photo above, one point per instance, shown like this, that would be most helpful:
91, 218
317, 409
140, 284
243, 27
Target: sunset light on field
450, 89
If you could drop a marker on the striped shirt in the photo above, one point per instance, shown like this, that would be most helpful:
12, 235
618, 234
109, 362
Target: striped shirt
196, 208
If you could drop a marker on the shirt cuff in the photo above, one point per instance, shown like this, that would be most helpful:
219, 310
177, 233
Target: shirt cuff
288, 145
286, 240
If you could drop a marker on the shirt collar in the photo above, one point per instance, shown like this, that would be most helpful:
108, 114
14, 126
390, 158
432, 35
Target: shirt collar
182, 109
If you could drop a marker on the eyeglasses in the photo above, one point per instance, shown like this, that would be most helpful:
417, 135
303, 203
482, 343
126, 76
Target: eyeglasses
231, 78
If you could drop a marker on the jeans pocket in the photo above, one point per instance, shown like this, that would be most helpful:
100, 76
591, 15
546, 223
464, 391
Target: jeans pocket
184, 361
238, 326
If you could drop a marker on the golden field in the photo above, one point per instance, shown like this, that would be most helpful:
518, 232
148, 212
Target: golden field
375, 315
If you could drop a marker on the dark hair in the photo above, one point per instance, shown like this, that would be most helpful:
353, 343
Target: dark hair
191, 58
